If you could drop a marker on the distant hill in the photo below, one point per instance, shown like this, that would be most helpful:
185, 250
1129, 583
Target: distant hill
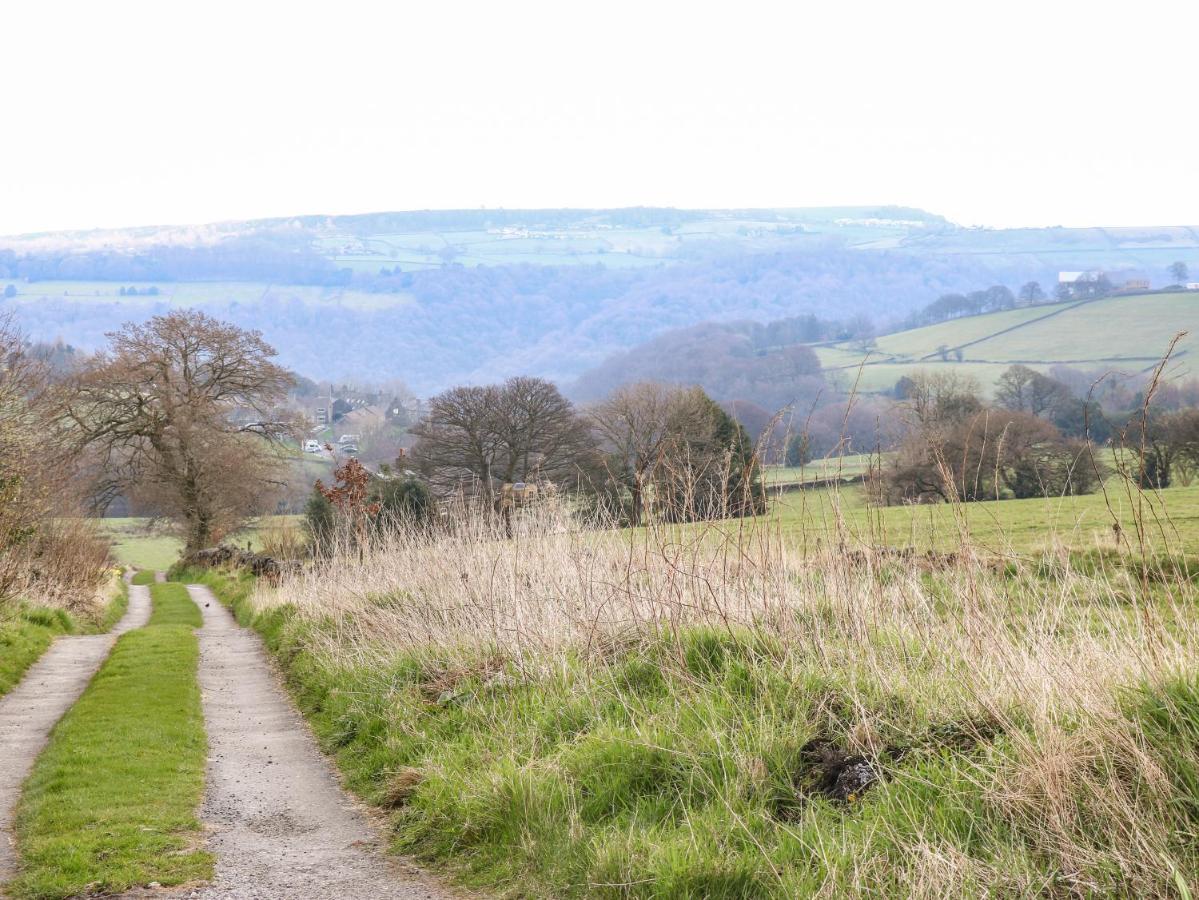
1123, 334
439, 297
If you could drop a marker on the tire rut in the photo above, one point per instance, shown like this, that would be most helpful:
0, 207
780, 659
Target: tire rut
31, 710
280, 824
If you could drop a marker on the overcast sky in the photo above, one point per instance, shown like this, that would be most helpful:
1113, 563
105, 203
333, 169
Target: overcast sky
1012, 113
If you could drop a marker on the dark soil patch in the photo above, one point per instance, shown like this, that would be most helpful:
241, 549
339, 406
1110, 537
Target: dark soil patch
827, 769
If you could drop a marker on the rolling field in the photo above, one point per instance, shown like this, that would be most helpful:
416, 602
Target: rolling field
1129, 333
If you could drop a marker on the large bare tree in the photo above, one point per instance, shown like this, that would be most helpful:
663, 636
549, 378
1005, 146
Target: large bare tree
176, 410
485, 437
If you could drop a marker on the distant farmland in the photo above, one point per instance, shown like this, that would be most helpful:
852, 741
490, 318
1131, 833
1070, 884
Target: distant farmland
1129, 333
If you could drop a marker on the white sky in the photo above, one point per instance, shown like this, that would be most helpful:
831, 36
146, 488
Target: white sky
998, 113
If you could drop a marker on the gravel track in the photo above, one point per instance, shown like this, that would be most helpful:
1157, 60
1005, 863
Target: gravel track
281, 825
31, 709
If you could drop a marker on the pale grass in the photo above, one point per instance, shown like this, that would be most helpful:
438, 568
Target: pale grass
1049, 658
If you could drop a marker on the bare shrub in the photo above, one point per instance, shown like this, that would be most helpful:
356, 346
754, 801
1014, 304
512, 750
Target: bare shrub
48, 554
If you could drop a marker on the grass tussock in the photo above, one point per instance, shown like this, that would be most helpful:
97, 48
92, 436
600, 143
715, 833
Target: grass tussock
713, 713
138, 723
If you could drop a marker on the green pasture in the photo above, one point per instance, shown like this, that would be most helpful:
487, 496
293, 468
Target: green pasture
846, 466
1128, 333
919, 342
1136, 328
821, 515
155, 545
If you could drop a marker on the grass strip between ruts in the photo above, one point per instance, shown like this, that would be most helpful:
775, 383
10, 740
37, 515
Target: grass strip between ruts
112, 800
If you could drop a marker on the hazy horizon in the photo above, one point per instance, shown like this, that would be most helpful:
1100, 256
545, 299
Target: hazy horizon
137, 114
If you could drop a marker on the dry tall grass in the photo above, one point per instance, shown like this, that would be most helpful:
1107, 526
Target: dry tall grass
1045, 651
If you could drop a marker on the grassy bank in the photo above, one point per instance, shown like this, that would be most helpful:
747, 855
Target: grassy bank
567, 715
112, 800
26, 632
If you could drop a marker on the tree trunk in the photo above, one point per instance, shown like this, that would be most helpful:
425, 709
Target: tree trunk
199, 520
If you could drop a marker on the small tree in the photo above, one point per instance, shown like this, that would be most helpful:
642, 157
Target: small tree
1031, 292
319, 520
799, 450
713, 474
1168, 445
349, 496
638, 425
1179, 272
401, 500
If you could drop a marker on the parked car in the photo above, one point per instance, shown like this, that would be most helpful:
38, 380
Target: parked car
312, 446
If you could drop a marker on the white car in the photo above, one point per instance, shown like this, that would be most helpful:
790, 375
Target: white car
312, 446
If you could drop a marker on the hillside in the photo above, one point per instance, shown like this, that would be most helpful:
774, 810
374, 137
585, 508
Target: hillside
442, 297
1125, 333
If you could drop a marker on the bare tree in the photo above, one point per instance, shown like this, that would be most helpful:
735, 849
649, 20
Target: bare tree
521, 431
934, 397
48, 552
1031, 292
1022, 389
638, 423
176, 410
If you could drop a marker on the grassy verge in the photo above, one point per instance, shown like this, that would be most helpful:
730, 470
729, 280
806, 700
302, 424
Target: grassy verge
711, 762
112, 801
26, 632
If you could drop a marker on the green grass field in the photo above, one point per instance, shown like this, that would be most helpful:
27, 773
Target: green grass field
153, 546
1125, 333
112, 800
1171, 521
847, 466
